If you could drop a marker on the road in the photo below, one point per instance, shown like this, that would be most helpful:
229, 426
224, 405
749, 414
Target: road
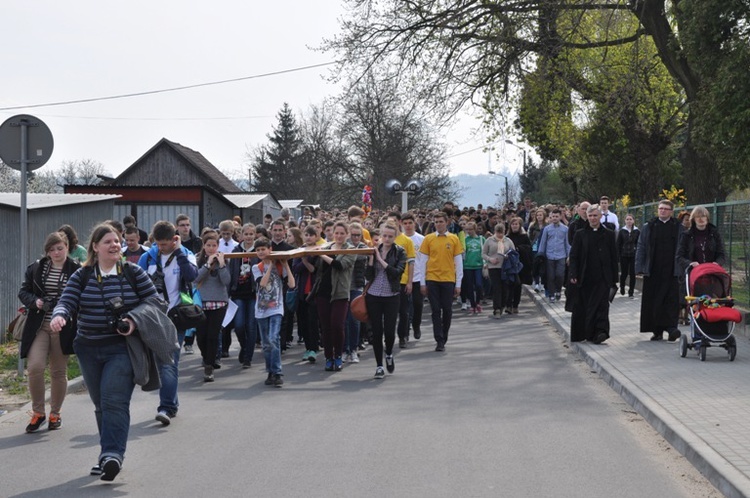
507, 410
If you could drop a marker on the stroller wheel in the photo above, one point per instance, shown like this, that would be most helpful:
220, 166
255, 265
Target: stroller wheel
683, 346
703, 353
732, 352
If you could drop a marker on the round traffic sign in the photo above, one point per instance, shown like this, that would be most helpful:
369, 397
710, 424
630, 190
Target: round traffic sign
39, 143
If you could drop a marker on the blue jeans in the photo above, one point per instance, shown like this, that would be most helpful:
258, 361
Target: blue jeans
270, 330
246, 328
351, 337
170, 375
108, 374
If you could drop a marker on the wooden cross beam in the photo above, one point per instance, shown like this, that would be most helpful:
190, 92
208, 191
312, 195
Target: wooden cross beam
302, 251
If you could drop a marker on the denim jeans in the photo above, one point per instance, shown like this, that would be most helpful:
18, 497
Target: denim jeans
270, 338
351, 337
170, 375
108, 374
246, 328
555, 275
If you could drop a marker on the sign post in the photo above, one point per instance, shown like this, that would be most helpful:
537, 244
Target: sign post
25, 145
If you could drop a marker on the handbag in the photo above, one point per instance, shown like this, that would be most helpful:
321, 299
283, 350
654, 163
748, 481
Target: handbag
187, 314
290, 301
17, 325
358, 306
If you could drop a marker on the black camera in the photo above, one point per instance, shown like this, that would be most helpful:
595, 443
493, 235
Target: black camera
158, 279
48, 303
116, 322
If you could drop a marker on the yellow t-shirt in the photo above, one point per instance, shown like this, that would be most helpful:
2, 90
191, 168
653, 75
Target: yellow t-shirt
441, 249
411, 254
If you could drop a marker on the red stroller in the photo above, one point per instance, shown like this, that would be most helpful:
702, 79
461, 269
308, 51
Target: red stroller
710, 306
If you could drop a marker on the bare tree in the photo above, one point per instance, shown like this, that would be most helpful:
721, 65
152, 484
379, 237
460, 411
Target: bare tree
81, 172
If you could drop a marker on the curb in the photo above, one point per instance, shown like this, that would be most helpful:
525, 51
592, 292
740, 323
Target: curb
727, 479
74, 386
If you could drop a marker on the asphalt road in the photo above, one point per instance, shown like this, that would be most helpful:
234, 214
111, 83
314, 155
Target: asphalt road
507, 410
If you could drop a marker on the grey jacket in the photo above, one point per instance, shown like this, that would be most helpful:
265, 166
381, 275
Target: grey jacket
155, 342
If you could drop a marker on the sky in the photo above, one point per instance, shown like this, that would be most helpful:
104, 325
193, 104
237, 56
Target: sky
62, 51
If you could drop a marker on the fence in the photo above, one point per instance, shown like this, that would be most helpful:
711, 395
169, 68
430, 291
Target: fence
733, 221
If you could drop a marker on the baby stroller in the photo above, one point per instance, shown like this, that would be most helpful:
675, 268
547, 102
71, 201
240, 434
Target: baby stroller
710, 307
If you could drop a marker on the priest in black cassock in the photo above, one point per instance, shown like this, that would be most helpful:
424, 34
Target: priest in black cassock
655, 260
593, 268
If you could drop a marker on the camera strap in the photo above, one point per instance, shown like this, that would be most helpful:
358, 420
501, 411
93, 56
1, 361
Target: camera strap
100, 284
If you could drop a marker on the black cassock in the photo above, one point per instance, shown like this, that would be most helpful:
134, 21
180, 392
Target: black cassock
660, 299
593, 262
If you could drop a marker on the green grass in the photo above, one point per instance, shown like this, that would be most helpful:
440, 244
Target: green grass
9, 380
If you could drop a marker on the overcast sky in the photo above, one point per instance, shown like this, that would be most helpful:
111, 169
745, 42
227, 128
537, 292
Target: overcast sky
59, 51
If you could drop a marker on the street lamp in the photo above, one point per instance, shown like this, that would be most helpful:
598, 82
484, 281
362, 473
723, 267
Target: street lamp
510, 142
506, 185
413, 186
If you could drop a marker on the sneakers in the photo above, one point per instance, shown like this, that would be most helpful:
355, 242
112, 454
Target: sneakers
110, 468
269, 379
402, 343
379, 373
440, 347
96, 470
37, 421
417, 334
329, 365
338, 364
208, 373
278, 381
464, 306
355, 357
537, 288
389, 364
246, 364
552, 299
306, 355
55, 421
189, 349
515, 311
313, 355
347, 358
163, 417
557, 296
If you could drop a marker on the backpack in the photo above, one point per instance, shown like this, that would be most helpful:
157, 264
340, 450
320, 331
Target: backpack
512, 266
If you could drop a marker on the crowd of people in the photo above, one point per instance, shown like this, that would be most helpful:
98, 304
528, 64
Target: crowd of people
120, 304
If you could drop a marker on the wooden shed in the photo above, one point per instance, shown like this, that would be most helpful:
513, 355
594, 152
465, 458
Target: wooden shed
167, 180
46, 212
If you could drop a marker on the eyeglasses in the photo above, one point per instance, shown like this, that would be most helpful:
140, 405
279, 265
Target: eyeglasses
355, 234
665, 208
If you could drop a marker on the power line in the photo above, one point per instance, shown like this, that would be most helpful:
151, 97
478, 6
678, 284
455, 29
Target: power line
474, 149
166, 90
185, 118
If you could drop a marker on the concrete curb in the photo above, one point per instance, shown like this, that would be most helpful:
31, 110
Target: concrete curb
722, 474
74, 386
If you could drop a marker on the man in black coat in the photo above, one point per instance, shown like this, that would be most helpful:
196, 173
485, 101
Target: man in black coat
593, 268
655, 260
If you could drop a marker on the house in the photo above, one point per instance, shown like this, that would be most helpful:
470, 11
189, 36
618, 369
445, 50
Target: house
46, 213
170, 179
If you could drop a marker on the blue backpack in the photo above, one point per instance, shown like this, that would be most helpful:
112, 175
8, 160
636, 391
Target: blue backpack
512, 266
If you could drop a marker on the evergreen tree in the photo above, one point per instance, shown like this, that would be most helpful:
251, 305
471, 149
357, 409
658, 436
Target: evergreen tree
277, 166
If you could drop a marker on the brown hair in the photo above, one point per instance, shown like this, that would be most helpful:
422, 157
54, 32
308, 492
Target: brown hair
97, 234
53, 239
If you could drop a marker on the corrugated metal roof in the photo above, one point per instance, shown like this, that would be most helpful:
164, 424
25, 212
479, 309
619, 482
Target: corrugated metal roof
245, 200
39, 201
291, 203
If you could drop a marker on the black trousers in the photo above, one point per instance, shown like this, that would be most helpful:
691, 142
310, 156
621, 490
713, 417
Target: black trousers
382, 312
307, 323
500, 290
207, 334
417, 306
440, 295
627, 268
403, 313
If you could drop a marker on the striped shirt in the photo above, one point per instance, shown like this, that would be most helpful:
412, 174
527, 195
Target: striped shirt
54, 283
93, 303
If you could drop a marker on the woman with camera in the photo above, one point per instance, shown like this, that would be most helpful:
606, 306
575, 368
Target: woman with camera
213, 280
44, 282
100, 294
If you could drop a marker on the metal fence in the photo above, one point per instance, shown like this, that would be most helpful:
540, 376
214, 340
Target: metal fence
733, 221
